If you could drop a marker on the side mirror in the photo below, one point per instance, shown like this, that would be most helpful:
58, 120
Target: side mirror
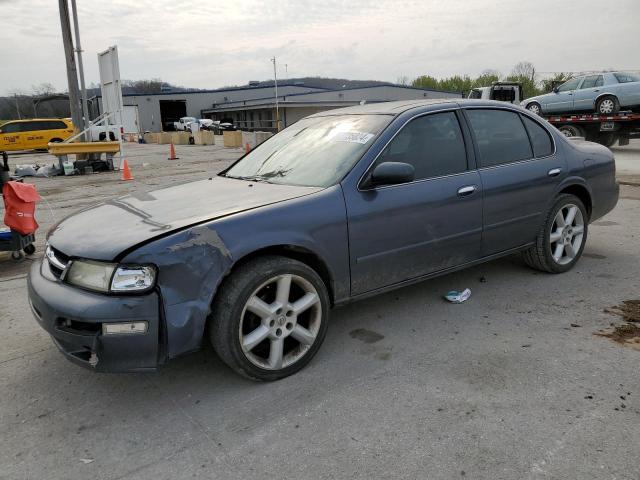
555, 90
392, 173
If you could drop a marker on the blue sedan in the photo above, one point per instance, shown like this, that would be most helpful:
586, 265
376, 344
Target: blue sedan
603, 93
340, 206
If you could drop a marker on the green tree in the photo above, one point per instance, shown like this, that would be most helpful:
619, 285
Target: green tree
548, 83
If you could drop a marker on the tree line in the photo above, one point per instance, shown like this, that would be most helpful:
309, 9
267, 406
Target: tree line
523, 72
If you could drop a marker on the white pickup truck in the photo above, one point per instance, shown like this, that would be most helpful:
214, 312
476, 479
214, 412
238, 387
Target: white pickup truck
502, 91
181, 125
98, 133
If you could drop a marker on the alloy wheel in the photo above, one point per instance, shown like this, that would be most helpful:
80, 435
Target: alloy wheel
534, 108
280, 322
567, 233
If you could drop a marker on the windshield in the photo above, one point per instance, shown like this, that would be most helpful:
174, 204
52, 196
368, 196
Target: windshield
475, 93
314, 152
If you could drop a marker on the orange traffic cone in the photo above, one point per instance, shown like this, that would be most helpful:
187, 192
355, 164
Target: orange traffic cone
247, 148
126, 173
172, 152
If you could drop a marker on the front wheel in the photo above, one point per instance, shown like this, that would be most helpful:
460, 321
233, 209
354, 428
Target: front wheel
270, 318
561, 240
570, 131
534, 107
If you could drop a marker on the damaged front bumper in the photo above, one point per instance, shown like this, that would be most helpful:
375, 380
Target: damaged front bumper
74, 319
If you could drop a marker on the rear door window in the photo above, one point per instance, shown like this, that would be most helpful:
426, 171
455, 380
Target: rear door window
500, 135
540, 138
55, 125
433, 144
591, 81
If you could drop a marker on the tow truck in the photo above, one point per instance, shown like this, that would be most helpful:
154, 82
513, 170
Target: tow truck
603, 129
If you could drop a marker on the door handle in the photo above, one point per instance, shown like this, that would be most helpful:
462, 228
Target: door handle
597, 90
468, 190
554, 172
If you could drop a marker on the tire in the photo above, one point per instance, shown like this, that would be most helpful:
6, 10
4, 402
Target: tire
607, 105
17, 255
247, 310
55, 140
608, 140
534, 107
572, 131
543, 255
29, 249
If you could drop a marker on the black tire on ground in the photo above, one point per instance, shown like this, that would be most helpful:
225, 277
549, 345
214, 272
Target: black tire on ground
535, 107
17, 255
56, 140
30, 249
228, 306
572, 131
539, 256
608, 140
609, 103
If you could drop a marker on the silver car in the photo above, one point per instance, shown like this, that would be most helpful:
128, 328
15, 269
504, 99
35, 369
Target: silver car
604, 93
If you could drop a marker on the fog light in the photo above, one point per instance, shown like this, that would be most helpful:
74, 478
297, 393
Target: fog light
124, 328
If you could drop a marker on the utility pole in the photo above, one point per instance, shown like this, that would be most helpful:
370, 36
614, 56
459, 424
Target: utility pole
85, 107
72, 73
275, 80
15, 97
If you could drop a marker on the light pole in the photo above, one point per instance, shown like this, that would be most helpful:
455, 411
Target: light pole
72, 73
275, 80
78, 49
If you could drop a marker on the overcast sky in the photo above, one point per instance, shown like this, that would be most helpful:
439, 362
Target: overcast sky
209, 44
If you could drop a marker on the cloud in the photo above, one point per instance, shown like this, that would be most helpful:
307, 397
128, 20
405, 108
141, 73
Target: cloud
211, 44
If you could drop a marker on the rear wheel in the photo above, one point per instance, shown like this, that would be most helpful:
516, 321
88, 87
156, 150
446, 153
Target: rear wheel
270, 318
608, 140
561, 239
607, 105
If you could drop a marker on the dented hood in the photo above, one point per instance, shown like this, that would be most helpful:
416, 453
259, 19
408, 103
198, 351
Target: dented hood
103, 231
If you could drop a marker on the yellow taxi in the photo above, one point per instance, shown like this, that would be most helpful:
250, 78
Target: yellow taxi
33, 134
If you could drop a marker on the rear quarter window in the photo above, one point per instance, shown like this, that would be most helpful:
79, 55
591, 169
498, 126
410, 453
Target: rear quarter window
500, 136
540, 139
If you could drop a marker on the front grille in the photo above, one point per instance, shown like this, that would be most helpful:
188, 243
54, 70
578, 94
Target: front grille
57, 260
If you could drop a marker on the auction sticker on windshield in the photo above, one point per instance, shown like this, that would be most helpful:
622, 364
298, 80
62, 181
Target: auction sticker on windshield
353, 137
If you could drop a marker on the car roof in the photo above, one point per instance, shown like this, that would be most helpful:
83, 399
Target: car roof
398, 107
35, 119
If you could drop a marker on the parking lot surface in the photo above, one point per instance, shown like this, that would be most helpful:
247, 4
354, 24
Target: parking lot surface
511, 384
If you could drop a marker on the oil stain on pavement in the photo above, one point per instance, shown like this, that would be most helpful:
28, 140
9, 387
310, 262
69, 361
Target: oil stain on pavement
626, 334
366, 336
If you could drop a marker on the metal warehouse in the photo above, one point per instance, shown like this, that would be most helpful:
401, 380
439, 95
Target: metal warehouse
254, 107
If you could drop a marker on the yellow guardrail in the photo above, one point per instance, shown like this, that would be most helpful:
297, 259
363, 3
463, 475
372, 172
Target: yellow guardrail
83, 147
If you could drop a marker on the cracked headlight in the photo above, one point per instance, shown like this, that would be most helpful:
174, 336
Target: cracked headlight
110, 277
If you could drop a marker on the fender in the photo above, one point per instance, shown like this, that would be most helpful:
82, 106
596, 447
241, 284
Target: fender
605, 94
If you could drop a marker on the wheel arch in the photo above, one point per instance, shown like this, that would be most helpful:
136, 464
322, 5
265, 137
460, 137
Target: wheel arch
581, 191
296, 252
605, 94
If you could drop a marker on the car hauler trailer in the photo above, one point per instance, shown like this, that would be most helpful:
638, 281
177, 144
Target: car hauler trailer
603, 129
